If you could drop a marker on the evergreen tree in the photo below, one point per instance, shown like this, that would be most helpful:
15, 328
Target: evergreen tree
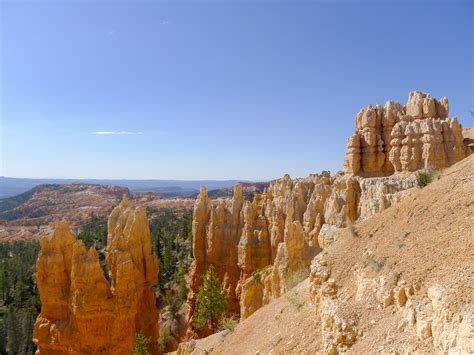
27, 322
18, 296
142, 344
94, 232
3, 336
211, 301
183, 287
14, 333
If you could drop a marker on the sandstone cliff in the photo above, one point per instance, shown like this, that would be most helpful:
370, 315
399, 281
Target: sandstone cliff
82, 313
261, 248
397, 283
394, 286
396, 137
216, 230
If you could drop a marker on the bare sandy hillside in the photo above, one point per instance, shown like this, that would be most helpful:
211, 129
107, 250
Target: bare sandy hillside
403, 281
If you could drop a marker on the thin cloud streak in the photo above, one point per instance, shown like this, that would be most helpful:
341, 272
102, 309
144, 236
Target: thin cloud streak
116, 133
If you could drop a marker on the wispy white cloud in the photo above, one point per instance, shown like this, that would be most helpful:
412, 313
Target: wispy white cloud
112, 33
115, 133
165, 22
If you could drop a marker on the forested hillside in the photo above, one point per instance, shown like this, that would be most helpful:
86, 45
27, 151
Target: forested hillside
19, 299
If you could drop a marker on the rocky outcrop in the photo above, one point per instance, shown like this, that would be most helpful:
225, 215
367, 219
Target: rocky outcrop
216, 235
328, 235
432, 318
338, 319
82, 312
392, 286
377, 194
468, 134
262, 248
397, 138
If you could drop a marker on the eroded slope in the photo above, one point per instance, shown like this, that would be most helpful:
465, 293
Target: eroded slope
401, 281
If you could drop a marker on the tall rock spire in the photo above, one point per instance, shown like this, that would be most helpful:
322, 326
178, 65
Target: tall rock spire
81, 311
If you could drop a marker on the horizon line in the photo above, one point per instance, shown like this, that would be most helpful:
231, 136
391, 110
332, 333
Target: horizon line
137, 179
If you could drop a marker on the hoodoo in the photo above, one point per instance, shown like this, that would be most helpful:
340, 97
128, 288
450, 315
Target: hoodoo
260, 248
82, 313
396, 137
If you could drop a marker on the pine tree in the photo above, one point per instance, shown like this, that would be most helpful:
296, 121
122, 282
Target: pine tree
142, 344
3, 336
211, 300
14, 333
183, 287
27, 322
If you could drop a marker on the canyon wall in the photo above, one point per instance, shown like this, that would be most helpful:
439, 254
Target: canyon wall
397, 138
82, 312
395, 288
261, 248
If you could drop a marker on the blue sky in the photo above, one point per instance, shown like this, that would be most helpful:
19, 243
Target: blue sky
216, 89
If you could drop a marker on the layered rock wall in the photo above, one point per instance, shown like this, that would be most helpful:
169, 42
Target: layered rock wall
82, 313
261, 248
397, 138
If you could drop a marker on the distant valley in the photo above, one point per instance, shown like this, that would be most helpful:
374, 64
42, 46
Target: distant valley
11, 186
32, 213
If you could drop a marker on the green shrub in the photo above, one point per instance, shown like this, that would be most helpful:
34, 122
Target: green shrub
142, 344
165, 336
257, 274
182, 284
229, 323
423, 178
211, 301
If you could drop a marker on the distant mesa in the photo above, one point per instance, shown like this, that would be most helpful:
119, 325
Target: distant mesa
10, 186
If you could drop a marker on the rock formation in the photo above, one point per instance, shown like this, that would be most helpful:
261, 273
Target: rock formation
261, 248
216, 229
338, 319
82, 313
396, 138
394, 288
468, 134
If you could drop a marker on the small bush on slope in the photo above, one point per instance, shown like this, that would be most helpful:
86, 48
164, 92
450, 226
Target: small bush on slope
423, 178
229, 323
